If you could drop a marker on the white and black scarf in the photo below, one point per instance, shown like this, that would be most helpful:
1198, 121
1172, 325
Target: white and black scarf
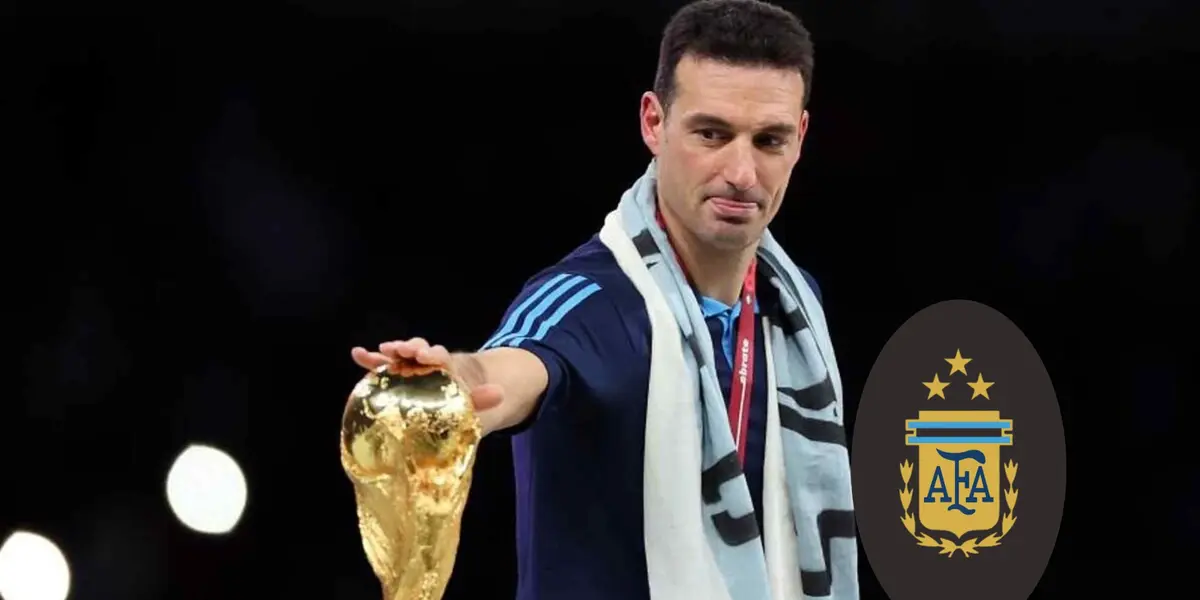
702, 538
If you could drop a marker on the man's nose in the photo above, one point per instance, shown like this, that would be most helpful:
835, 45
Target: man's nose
740, 170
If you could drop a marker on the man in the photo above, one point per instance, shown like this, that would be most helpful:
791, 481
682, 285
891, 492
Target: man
573, 369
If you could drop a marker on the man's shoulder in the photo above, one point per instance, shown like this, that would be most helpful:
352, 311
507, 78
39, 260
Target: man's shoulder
592, 266
808, 279
812, 283
583, 295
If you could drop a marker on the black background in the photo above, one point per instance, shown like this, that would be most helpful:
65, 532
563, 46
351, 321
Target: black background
209, 205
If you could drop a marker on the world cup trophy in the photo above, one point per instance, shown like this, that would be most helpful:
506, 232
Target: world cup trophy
409, 439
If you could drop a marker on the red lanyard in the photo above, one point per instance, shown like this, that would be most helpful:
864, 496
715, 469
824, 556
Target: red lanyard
741, 389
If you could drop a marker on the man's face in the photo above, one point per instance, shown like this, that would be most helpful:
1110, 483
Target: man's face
726, 149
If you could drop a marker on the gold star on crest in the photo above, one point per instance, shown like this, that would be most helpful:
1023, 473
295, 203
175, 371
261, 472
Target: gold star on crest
936, 387
958, 363
980, 387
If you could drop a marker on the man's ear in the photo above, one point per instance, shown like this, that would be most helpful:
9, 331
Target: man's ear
652, 119
802, 130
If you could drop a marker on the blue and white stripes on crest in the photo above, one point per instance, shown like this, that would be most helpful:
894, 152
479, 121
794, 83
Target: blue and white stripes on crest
543, 309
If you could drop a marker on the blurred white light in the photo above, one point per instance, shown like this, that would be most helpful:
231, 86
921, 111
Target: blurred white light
206, 489
33, 568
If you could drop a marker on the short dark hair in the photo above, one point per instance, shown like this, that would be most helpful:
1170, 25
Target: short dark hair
737, 32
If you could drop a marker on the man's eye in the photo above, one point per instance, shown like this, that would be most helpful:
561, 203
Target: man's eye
711, 135
770, 141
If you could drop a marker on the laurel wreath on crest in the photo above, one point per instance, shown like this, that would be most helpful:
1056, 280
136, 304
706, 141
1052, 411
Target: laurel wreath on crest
969, 546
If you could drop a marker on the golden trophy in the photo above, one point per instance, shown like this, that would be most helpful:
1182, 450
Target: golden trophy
409, 439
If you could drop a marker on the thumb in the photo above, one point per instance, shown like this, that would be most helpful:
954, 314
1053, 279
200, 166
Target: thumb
487, 396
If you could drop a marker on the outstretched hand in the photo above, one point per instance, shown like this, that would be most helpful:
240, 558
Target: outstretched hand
484, 395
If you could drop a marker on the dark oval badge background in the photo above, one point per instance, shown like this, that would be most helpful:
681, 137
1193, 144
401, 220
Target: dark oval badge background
1022, 391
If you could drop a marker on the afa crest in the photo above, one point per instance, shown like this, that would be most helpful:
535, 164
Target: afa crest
963, 496
964, 432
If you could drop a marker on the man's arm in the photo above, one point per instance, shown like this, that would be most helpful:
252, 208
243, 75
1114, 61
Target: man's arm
519, 373
549, 349
552, 340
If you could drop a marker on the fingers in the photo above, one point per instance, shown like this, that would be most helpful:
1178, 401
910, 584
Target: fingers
486, 396
416, 349
403, 348
433, 355
368, 360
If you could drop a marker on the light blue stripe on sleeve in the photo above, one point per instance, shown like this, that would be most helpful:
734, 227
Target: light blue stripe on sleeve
520, 310
558, 315
541, 308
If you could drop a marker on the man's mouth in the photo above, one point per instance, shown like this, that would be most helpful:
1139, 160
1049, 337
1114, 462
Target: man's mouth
730, 208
